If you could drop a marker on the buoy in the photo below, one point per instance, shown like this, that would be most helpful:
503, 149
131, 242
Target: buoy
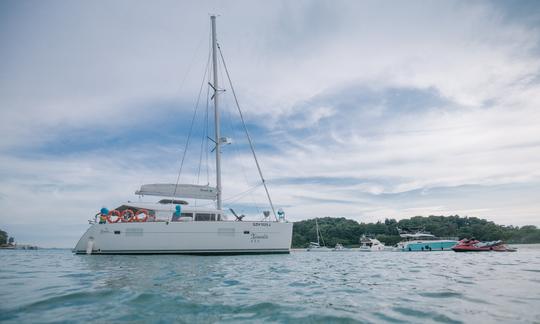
114, 213
137, 213
127, 215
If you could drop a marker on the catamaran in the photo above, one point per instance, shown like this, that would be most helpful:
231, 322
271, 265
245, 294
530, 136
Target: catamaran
173, 226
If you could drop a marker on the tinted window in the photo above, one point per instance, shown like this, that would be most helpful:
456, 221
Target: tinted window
203, 217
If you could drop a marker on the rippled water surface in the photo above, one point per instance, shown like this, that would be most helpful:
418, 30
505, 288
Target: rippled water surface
55, 285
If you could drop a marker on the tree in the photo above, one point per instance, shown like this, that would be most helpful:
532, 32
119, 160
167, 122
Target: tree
3, 237
348, 232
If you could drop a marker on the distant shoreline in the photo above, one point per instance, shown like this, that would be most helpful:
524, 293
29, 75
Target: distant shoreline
334, 230
20, 247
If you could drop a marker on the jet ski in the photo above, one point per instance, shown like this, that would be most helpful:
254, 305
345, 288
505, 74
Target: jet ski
472, 245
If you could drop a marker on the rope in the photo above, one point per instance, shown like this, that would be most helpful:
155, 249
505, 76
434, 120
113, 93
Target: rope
237, 196
204, 135
247, 134
191, 127
236, 152
242, 194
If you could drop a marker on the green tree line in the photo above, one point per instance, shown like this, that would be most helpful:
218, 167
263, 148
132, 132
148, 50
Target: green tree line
5, 239
347, 231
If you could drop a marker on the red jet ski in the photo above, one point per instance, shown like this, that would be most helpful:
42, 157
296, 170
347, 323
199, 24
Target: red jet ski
473, 245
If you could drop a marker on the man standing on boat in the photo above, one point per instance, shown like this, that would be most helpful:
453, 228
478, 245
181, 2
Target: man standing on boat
103, 215
176, 215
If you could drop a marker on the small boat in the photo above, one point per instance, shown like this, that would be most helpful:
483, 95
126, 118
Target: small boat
472, 245
340, 248
370, 245
316, 246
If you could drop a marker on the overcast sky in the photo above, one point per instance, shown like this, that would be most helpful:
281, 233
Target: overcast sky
362, 109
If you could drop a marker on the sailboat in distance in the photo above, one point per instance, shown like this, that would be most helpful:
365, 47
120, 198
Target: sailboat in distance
316, 246
152, 228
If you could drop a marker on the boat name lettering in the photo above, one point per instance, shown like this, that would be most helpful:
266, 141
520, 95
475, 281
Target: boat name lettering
259, 236
262, 224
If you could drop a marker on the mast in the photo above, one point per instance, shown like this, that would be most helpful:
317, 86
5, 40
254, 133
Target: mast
317, 230
216, 111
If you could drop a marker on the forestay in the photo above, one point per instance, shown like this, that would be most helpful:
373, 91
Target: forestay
178, 191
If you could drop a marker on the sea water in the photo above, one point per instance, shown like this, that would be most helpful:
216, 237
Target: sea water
56, 286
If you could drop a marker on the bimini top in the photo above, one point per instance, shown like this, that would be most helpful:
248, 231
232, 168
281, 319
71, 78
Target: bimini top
416, 235
178, 191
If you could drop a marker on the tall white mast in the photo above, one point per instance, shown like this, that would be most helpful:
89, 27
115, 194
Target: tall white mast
317, 230
216, 111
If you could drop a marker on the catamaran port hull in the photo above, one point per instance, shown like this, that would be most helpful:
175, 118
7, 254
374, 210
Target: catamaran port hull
196, 237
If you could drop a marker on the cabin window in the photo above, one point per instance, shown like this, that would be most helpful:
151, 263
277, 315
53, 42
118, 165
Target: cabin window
218, 217
186, 215
203, 217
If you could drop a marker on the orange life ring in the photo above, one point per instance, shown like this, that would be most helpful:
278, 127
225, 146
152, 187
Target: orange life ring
130, 217
136, 218
114, 213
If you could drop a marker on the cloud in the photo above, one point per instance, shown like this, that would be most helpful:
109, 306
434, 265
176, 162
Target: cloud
360, 109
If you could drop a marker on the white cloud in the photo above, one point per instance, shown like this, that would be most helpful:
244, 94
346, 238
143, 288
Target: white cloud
303, 71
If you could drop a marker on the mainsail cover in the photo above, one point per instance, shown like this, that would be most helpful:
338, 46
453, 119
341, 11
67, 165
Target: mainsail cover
178, 191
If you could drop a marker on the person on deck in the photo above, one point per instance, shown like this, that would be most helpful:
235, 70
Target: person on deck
103, 215
176, 215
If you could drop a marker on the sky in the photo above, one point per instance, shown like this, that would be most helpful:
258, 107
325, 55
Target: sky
359, 109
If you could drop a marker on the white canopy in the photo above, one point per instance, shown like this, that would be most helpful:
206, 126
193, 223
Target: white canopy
178, 191
417, 235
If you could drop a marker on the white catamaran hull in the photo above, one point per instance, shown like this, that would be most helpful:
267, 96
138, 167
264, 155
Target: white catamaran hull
221, 237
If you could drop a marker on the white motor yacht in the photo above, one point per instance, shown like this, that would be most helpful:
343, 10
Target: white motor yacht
370, 245
422, 241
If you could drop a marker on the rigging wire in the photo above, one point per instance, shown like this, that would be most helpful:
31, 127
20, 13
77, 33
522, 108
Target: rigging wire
226, 116
207, 134
242, 194
207, 127
191, 127
237, 196
236, 152
204, 138
247, 133
182, 83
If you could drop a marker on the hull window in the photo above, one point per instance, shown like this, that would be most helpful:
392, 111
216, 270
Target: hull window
226, 231
134, 232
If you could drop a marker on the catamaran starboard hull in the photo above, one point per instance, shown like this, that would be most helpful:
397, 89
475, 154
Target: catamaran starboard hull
200, 238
